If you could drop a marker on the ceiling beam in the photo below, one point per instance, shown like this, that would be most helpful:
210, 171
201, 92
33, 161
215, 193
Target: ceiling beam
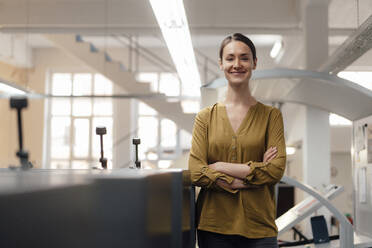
353, 48
142, 30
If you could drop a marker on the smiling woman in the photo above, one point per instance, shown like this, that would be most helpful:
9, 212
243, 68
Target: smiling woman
237, 156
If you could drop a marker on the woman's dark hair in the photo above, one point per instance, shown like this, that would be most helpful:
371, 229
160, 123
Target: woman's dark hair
238, 37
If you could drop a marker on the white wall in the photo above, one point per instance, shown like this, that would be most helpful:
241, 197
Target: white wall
15, 50
341, 139
182, 162
294, 122
341, 175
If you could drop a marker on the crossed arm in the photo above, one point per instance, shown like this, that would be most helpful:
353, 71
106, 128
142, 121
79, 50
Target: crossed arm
232, 177
238, 171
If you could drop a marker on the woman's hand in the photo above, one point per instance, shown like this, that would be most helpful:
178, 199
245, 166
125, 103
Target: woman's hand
215, 166
236, 184
270, 154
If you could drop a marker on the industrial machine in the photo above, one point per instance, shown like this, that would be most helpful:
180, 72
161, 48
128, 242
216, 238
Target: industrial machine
96, 208
129, 207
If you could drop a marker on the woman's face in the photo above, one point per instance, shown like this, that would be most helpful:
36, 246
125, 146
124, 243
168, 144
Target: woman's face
237, 62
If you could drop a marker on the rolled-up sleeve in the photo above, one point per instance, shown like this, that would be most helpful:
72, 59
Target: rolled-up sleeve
201, 174
270, 172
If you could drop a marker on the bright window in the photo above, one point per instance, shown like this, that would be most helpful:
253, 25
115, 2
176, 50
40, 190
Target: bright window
72, 139
336, 120
168, 133
161, 140
152, 78
363, 78
169, 84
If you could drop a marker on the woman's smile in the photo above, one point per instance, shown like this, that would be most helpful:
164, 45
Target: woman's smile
238, 72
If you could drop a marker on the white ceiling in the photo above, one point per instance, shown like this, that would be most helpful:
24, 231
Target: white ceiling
265, 21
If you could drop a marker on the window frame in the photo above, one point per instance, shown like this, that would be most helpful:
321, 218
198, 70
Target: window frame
47, 157
159, 149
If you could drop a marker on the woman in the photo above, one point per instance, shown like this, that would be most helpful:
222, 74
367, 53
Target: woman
237, 157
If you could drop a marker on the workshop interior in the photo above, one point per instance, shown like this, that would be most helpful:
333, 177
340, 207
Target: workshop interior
98, 100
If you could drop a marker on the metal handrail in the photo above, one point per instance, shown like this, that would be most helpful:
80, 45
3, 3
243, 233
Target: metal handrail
346, 232
147, 54
206, 68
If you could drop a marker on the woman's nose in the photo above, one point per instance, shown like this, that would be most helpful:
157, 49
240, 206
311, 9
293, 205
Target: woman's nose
236, 63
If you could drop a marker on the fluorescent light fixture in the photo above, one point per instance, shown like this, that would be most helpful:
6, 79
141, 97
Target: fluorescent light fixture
276, 49
264, 39
171, 17
10, 90
290, 150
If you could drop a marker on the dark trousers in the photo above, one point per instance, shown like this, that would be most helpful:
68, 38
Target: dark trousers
216, 240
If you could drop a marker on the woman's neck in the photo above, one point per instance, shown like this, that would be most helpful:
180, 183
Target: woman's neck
239, 95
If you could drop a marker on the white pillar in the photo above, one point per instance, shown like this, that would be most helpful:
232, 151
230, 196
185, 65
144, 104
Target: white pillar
316, 142
124, 131
316, 152
316, 148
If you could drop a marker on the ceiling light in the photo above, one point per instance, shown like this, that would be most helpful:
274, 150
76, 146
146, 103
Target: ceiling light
264, 39
276, 49
171, 17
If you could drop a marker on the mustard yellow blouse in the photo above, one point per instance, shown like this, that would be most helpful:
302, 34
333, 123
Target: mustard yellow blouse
248, 212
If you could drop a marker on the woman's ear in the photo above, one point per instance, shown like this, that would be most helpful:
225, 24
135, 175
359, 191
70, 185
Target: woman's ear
255, 64
220, 63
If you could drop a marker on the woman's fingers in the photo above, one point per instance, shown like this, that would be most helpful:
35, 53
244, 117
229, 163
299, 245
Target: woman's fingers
270, 151
271, 157
270, 154
267, 153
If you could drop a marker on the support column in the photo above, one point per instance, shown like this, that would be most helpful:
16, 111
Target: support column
316, 152
124, 131
316, 148
316, 142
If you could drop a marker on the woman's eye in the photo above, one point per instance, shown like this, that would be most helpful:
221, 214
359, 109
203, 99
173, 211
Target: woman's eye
245, 59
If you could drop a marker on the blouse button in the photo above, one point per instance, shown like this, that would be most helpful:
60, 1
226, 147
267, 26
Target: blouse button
233, 147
